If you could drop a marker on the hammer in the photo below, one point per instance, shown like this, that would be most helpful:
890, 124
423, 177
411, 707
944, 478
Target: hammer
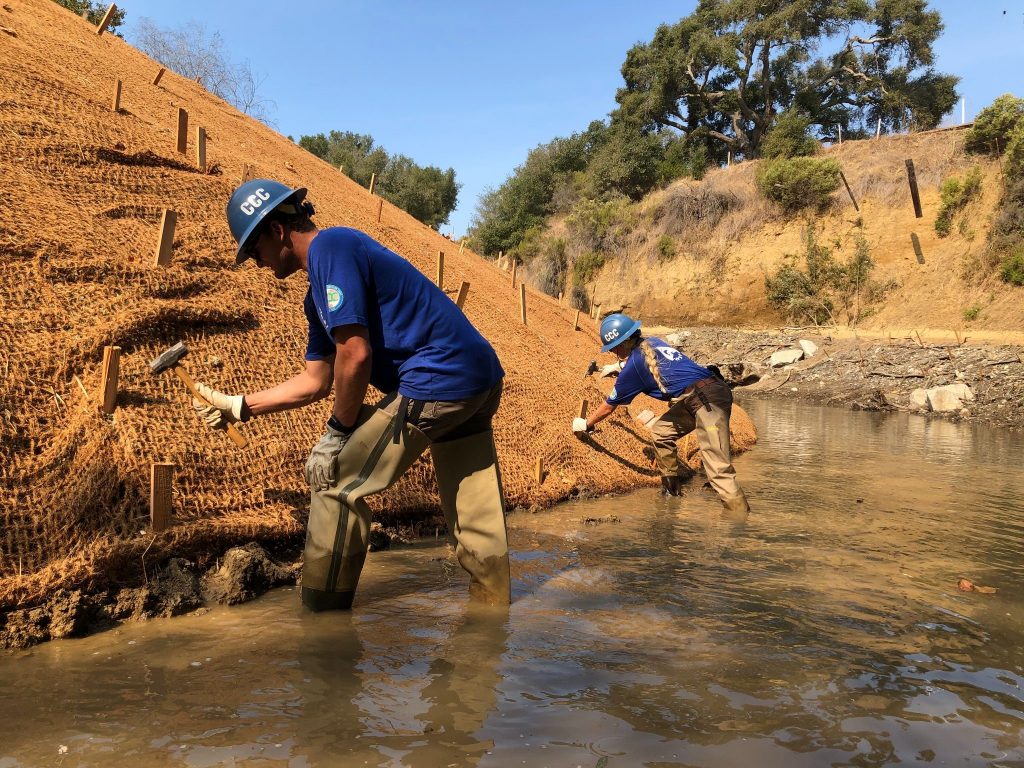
171, 359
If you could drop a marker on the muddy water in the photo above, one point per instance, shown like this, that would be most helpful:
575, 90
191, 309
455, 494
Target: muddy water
825, 630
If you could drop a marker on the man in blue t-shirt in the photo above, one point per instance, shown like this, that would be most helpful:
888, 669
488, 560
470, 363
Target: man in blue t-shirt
375, 319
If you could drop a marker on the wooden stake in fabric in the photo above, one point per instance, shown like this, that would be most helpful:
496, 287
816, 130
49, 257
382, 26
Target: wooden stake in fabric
440, 270
102, 26
583, 408
111, 370
912, 178
849, 191
159, 74
522, 302
115, 103
576, 322
201, 148
246, 170
373, 182
182, 141
538, 470
161, 482
515, 265
166, 241
463, 292
380, 208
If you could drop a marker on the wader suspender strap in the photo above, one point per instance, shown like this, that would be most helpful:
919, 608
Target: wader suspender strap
406, 413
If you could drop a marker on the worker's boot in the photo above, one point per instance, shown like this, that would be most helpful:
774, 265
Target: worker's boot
671, 485
736, 504
469, 485
338, 532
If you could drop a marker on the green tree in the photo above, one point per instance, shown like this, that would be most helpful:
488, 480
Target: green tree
94, 12
726, 71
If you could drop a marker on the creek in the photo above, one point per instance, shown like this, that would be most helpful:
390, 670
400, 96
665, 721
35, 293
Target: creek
826, 629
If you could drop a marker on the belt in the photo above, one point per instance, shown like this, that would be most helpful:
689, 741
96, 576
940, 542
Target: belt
697, 386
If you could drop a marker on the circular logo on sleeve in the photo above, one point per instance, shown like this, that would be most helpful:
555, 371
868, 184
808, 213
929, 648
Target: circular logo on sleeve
334, 297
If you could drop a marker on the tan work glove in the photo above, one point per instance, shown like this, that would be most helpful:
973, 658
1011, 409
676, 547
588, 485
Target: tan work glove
222, 410
321, 466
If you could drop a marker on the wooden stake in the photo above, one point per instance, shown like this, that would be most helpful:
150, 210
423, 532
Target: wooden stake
380, 208
912, 178
515, 265
849, 191
583, 408
440, 270
560, 297
373, 182
108, 387
840, 134
463, 291
576, 322
538, 470
161, 482
201, 148
156, 80
165, 243
182, 130
522, 302
878, 133
918, 251
462, 245
102, 26
246, 170
115, 103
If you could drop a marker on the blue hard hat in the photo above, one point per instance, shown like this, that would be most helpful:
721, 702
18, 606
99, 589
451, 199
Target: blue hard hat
250, 204
616, 328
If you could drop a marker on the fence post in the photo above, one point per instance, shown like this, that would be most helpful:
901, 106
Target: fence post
912, 178
373, 182
522, 302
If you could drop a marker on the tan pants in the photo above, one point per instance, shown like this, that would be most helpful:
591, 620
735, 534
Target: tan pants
469, 484
706, 409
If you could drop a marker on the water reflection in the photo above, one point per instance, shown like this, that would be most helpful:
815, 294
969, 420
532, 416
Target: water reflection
825, 630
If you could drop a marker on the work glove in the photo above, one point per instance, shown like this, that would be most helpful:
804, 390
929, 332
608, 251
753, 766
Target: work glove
320, 467
580, 426
222, 409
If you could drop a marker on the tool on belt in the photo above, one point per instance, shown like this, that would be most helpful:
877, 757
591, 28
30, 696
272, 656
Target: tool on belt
171, 359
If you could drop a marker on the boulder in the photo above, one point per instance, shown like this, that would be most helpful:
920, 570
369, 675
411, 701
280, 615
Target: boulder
810, 349
678, 338
785, 357
919, 399
949, 397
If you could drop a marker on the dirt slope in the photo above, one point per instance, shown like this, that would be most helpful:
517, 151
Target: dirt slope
81, 202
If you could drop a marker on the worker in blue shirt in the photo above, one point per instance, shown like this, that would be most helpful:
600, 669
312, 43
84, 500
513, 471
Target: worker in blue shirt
375, 319
698, 400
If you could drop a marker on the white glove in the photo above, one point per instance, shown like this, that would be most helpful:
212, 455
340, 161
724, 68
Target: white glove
222, 409
580, 425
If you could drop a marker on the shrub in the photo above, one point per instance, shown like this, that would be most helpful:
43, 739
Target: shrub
600, 226
971, 313
1011, 268
790, 136
586, 266
666, 248
955, 195
994, 124
800, 182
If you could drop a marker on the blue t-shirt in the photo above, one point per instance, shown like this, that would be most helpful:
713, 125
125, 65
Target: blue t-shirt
676, 369
423, 346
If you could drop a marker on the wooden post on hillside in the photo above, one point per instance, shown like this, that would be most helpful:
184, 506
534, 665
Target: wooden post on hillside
111, 370
522, 302
440, 270
115, 102
849, 191
373, 182
840, 134
380, 208
201, 148
918, 251
165, 242
159, 74
576, 322
182, 130
102, 26
462, 245
161, 483
583, 408
246, 174
538, 470
912, 178
878, 132
463, 292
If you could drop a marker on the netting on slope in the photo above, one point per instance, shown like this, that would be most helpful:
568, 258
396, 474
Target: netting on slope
83, 193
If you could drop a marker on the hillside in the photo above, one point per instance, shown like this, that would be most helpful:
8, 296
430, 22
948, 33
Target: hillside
727, 238
83, 195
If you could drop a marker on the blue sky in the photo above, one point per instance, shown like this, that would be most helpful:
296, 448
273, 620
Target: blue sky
475, 85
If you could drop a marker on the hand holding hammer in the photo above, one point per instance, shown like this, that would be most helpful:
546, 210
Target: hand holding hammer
171, 359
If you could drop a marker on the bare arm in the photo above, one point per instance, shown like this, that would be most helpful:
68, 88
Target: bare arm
311, 385
603, 411
351, 371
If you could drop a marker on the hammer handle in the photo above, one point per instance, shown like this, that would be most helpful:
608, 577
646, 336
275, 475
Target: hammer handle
236, 437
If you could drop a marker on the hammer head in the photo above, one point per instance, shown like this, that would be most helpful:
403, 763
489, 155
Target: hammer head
169, 358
